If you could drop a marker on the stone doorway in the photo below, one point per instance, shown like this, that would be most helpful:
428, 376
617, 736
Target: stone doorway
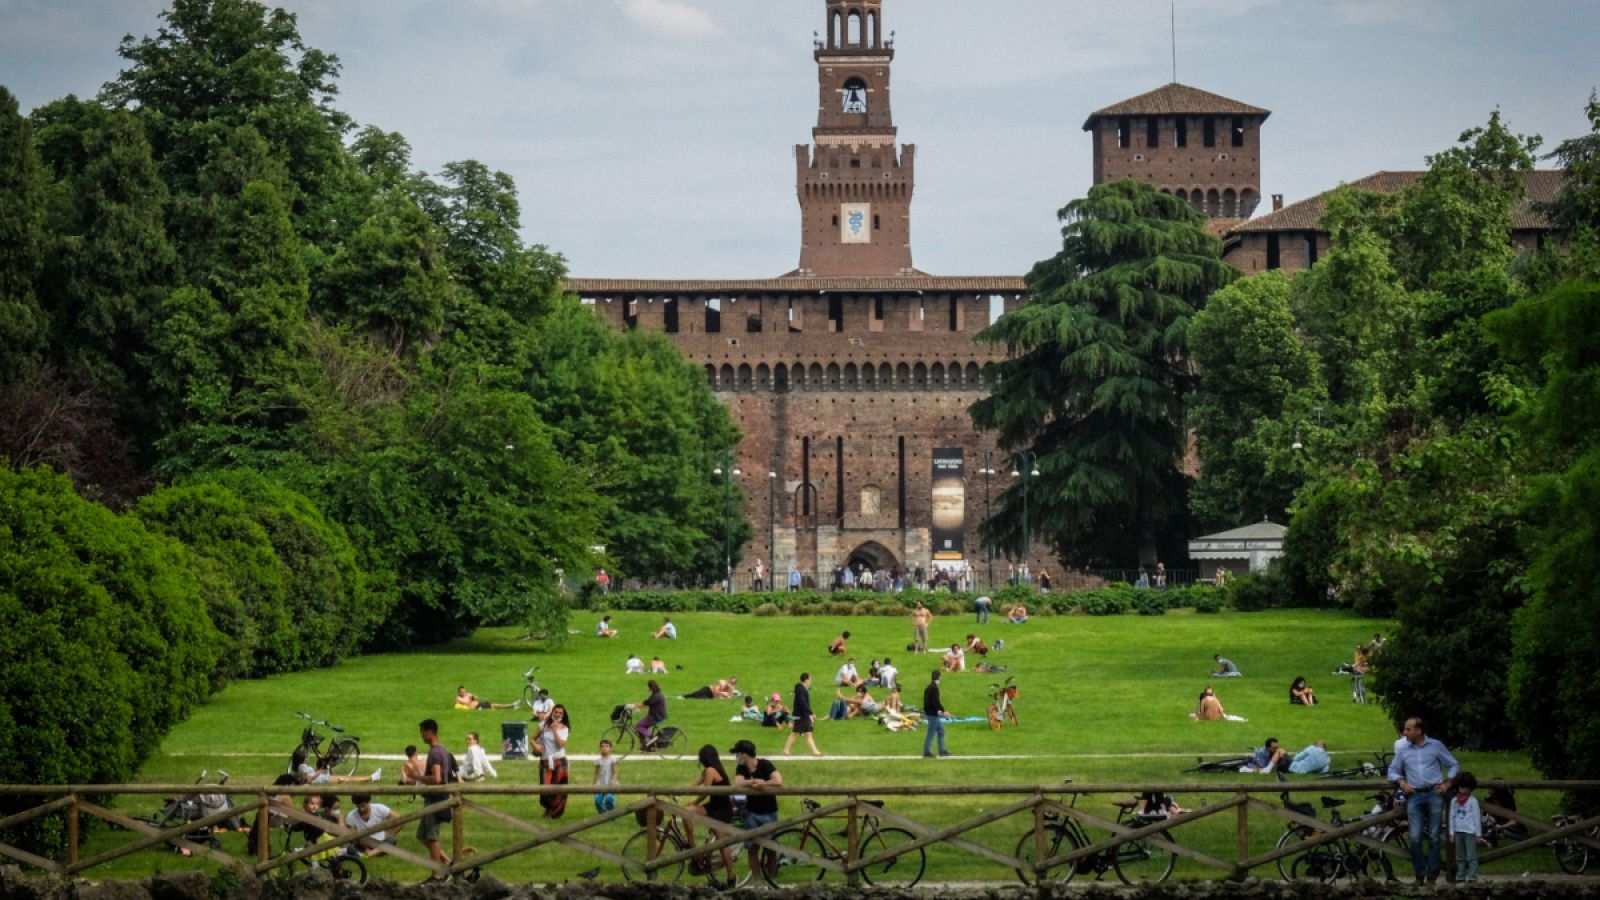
874, 556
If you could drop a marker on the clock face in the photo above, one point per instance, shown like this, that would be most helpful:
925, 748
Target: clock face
855, 223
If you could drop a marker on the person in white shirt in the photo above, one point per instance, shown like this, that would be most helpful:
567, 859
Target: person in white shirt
1466, 826
635, 665
543, 705
476, 765
552, 741
888, 674
365, 815
848, 676
667, 630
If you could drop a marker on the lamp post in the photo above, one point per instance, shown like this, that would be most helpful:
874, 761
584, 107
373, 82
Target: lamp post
727, 470
987, 472
772, 529
1027, 470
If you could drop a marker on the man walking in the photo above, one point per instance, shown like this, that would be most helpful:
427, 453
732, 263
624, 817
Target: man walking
800, 713
1423, 769
933, 713
437, 770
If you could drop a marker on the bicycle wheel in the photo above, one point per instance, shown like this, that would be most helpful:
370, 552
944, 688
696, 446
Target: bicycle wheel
671, 743
621, 739
1294, 834
348, 754
1056, 842
349, 868
904, 870
638, 848
1138, 861
1571, 856
529, 695
781, 868
1385, 865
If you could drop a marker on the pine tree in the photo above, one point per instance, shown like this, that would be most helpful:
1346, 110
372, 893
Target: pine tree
1097, 373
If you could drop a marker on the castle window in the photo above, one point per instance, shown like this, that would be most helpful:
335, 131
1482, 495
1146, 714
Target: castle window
1311, 249
1180, 132
876, 322
797, 322
669, 315
855, 163
877, 223
853, 97
1152, 132
919, 315
1238, 131
835, 314
956, 322
1124, 133
713, 316
630, 314
752, 323
1210, 135
1274, 259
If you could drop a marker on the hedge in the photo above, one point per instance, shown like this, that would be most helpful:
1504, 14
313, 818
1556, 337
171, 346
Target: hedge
1109, 601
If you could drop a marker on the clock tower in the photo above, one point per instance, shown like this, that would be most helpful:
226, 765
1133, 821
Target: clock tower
853, 181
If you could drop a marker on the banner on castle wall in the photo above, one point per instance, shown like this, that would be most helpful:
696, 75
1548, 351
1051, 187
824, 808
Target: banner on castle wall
855, 223
949, 503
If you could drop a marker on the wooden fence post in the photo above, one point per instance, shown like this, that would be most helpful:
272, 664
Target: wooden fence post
652, 837
458, 829
72, 831
1242, 820
1038, 836
853, 851
263, 829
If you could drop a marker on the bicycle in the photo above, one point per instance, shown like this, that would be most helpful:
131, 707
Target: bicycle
666, 741
1218, 766
530, 690
1364, 769
782, 868
343, 756
343, 863
1002, 704
1342, 858
672, 839
1134, 861
193, 808
1573, 855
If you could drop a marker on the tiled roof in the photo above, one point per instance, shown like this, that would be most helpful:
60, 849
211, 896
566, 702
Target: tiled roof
1541, 187
797, 285
1174, 100
1260, 531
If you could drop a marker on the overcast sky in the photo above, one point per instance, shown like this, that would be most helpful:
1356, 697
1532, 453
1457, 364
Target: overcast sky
654, 138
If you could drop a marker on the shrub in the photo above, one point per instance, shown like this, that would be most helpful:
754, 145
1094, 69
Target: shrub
107, 637
836, 608
1150, 603
1209, 603
766, 610
1252, 593
1104, 602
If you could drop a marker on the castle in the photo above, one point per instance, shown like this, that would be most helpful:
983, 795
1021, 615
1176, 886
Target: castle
850, 376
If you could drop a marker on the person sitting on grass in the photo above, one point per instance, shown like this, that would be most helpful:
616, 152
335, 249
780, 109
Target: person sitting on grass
465, 699
1209, 709
847, 676
411, 769
634, 665
365, 815
838, 647
657, 667
895, 716
751, 712
976, 645
1269, 757
874, 674
1017, 615
776, 715
604, 629
1301, 694
542, 706
861, 705
476, 766
667, 630
955, 660
1225, 668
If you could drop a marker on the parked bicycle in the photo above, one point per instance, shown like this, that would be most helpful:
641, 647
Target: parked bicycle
530, 690
786, 867
1341, 858
672, 839
343, 756
1134, 861
193, 808
343, 863
1002, 704
666, 741
1220, 766
1571, 854
1377, 768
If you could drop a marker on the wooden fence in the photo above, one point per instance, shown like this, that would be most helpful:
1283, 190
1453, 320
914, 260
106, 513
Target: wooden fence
1045, 810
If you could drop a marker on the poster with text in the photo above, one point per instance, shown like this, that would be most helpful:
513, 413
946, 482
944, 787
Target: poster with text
949, 503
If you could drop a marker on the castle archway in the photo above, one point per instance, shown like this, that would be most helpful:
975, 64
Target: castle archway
875, 556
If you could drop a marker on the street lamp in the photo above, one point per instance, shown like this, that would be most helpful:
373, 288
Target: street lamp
1026, 469
727, 470
987, 472
772, 529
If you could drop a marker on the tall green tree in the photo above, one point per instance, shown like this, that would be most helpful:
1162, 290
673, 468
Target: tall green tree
23, 324
1258, 392
1098, 374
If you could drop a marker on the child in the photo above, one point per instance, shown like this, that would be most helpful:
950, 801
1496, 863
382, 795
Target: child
1466, 826
605, 775
751, 712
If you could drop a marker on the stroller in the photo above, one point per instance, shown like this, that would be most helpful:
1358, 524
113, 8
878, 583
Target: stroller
193, 808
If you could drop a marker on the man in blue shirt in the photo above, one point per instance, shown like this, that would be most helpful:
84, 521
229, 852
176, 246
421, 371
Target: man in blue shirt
1423, 769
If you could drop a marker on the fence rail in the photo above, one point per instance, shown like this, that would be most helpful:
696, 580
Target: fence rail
1044, 810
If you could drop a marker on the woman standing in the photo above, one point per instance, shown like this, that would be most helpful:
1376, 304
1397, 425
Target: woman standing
552, 741
712, 806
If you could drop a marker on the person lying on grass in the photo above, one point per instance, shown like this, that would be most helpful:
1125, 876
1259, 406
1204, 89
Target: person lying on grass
861, 705
465, 699
726, 689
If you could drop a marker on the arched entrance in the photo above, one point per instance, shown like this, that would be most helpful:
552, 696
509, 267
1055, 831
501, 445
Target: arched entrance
874, 556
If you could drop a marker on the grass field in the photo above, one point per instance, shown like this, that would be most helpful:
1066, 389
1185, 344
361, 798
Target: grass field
1103, 699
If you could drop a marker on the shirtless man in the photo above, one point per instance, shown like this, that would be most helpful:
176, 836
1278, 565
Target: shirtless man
465, 699
1209, 708
920, 617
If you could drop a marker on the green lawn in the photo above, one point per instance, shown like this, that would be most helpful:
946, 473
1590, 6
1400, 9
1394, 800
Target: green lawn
1103, 699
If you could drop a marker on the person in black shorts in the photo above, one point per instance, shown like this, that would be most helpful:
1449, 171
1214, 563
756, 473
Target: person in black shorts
436, 771
804, 719
761, 808
712, 806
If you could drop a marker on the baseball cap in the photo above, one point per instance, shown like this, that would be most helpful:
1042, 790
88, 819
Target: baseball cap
745, 747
